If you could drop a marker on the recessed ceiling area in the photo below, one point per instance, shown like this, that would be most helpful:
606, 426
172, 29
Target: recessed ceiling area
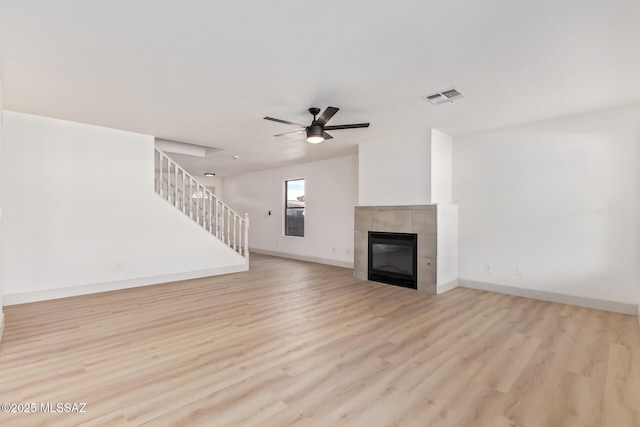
208, 72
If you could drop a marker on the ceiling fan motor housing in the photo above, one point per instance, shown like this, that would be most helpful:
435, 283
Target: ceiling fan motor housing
315, 134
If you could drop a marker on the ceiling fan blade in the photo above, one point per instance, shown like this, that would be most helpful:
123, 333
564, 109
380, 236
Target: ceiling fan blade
326, 135
326, 116
290, 133
283, 121
353, 126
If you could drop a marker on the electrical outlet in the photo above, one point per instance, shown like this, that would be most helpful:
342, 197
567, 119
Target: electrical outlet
348, 251
519, 270
333, 250
487, 268
119, 265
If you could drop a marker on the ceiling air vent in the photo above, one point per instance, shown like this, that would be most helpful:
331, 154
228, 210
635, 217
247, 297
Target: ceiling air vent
448, 95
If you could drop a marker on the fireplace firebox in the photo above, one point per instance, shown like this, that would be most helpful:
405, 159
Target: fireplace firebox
393, 258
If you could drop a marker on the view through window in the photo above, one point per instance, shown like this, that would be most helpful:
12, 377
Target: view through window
294, 208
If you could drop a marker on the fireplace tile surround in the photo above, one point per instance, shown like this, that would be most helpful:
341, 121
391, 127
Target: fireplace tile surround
418, 219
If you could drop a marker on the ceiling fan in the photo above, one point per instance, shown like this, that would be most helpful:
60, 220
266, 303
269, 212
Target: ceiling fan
316, 131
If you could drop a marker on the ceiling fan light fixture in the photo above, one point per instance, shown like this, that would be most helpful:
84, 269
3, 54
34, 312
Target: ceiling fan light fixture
316, 130
315, 134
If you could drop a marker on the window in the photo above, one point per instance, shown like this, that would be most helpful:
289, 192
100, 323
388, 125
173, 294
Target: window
294, 207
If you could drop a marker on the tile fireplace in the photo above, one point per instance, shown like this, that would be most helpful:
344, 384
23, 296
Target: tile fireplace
434, 230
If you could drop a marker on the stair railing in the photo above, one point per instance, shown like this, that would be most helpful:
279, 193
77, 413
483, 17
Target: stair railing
183, 191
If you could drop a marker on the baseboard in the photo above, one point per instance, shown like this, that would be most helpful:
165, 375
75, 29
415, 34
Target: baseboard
616, 306
317, 260
447, 286
72, 291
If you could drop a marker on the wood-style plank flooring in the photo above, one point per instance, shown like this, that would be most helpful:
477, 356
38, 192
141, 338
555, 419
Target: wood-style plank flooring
298, 344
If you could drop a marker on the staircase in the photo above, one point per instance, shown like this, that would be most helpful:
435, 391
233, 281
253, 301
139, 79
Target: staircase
182, 190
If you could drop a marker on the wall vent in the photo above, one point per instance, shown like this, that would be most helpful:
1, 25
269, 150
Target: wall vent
448, 95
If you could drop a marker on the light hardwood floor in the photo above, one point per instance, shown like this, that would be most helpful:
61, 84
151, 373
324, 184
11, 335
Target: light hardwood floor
294, 343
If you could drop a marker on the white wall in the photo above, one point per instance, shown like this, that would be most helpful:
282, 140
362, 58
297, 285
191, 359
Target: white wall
1, 204
441, 164
331, 188
409, 169
447, 247
560, 198
79, 209
395, 171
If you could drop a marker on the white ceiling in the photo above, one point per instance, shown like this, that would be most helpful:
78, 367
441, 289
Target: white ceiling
207, 72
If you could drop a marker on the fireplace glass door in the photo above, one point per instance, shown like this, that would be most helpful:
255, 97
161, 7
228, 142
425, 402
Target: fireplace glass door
393, 258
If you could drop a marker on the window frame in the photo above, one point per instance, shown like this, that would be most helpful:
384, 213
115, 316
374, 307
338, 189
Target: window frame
286, 207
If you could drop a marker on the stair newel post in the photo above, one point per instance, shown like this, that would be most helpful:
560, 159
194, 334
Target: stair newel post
246, 235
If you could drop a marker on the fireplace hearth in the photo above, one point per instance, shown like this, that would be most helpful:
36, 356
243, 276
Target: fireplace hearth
393, 258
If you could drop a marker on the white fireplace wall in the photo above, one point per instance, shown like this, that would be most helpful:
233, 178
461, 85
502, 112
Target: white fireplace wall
409, 169
395, 171
441, 165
